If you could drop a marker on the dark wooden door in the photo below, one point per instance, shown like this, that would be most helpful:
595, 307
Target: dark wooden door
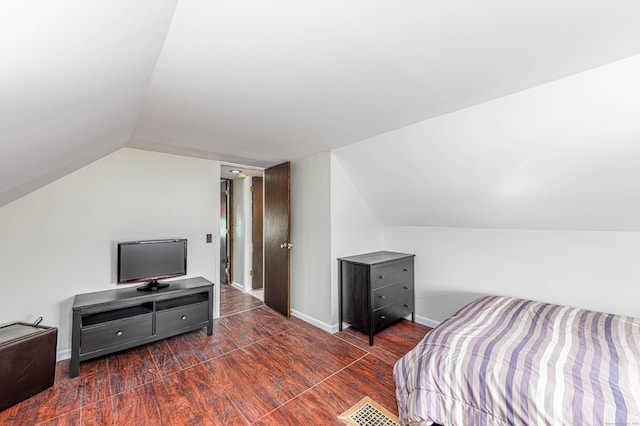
224, 232
277, 230
257, 216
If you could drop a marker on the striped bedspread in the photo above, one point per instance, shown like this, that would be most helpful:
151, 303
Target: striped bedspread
506, 361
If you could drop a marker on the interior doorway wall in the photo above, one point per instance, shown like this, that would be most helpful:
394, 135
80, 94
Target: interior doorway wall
243, 220
257, 215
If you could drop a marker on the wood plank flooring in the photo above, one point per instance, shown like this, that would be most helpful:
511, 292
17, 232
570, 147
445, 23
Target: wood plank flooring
258, 368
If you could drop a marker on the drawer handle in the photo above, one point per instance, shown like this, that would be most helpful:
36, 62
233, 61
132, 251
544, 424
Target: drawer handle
383, 317
406, 270
406, 306
405, 287
184, 317
381, 277
119, 333
382, 297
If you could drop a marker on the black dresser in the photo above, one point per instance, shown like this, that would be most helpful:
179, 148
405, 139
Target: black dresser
375, 290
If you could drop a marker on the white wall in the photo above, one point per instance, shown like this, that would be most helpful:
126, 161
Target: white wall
355, 229
560, 158
59, 240
587, 269
329, 219
311, 237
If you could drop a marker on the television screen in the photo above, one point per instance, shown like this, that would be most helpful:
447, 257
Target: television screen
140, 261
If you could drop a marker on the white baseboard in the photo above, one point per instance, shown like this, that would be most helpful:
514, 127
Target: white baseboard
238, 286
427, 321
316, 323
63, 354
345, 325
419, 319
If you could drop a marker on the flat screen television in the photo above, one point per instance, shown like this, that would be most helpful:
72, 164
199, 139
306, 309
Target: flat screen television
150, 261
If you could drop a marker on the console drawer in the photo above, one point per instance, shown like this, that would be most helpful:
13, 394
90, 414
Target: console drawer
401, 291
182, 317
117, 332
388, 274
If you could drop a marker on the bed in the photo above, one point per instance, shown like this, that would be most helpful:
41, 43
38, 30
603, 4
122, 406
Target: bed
508, 361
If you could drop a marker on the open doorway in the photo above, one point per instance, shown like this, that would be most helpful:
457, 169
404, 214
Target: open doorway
226, 231
257, 228
275, 246
241, 224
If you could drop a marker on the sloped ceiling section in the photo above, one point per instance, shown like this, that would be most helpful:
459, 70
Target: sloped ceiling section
72, 80
259, 82
564, 155
268, 81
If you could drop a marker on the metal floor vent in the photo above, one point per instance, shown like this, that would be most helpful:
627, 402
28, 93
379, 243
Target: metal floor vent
369, 413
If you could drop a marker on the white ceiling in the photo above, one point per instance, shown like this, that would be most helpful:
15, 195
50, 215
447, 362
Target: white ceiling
72, 80
268, 81
564, 155
258, 82
233, 172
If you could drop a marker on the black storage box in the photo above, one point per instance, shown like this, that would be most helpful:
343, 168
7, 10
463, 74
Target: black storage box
27, 361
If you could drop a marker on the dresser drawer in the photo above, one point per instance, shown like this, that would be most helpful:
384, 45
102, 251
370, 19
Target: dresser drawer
388, 274
182, 317
389, 314
402, 291
117, 332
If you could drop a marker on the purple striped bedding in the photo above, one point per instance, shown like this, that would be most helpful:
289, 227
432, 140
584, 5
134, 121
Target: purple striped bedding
507, 361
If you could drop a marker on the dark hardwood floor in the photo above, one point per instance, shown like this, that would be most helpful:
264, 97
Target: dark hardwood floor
258, 368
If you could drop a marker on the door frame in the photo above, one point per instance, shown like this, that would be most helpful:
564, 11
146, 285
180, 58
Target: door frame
247, 225
230, 230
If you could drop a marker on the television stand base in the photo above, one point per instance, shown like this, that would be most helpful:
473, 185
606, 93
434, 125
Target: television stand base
110, 321
152, 286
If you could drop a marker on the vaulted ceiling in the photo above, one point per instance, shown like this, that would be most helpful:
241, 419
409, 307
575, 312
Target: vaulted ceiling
259, 82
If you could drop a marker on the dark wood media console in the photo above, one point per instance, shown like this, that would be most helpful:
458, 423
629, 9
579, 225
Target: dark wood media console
113, 320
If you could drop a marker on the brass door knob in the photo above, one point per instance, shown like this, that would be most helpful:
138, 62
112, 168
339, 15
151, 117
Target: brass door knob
288, 246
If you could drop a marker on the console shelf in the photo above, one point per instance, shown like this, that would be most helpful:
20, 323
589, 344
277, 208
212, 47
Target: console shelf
109, 321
